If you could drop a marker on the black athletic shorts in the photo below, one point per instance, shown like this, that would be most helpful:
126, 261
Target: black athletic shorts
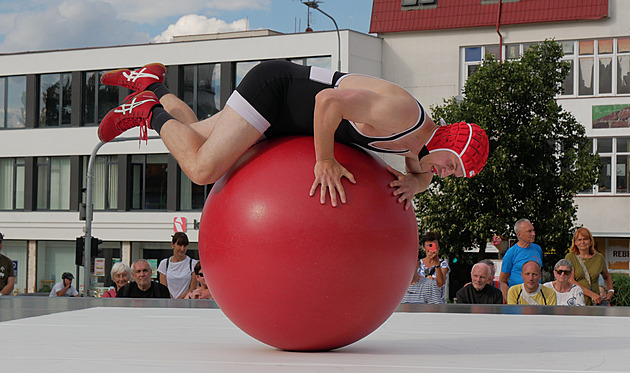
278, 97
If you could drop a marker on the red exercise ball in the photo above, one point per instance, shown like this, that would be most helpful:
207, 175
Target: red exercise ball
293, 273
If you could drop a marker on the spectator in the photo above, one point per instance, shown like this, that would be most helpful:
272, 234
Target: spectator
143, 287
531, 291
427, 285
517, 255
588, 264
493, 269
480, 291
202, 291
176, 272
121, 274
567, 294
7, 275
64, 287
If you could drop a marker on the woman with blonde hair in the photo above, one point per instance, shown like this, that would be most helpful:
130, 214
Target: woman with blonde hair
588, 264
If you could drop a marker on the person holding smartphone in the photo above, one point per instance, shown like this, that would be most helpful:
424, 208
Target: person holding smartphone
427, 285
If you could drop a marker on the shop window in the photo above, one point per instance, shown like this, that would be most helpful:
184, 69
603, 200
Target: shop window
11, 183
53, 259
17, 251
13, 102
55, 100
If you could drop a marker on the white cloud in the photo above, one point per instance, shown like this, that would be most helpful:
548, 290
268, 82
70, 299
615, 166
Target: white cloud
156, 11
194, 24
70, 24
31, 25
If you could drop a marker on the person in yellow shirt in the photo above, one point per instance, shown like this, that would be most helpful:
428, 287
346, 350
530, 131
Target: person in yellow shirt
531, 291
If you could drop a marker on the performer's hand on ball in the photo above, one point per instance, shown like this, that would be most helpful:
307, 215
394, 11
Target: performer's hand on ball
328, 174
408, 185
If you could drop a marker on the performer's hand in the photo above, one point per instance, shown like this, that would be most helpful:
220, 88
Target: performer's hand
328, 174
408, 185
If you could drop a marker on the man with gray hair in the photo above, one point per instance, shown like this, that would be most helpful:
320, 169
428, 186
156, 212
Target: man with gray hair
479, 291
143, 286
520, 253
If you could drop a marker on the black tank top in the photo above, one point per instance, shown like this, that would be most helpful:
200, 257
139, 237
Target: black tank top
349, 133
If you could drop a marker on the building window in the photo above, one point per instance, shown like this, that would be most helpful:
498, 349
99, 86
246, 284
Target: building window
53, 183
614, 177
242, 68
11, 183
53, 259
323, 61
192, 196
599, 67
105, 178
98, 98
201, 89
55, 100
148, 181
12, 102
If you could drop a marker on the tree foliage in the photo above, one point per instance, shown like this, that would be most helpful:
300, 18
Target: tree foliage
539, 158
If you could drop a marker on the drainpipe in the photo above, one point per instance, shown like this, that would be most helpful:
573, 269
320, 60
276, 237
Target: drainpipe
498, 32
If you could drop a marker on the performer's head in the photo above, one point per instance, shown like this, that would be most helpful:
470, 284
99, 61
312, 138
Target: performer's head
467, 144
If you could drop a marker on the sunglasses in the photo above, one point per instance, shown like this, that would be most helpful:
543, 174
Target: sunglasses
563, 271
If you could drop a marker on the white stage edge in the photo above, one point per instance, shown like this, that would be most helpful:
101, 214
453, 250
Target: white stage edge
187, 340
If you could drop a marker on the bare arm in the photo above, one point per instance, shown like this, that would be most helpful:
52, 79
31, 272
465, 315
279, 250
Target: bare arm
609, 284
411, 183
8, 288
163, 279
193, 286
503, 279
596, 298
379, 111
440, 275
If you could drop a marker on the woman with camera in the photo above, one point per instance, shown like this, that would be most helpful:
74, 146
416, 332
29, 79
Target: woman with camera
427, 285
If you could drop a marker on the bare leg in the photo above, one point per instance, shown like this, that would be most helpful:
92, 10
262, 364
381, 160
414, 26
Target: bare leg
178, 109
206, 150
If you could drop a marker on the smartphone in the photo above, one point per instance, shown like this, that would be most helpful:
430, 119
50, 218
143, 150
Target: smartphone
431, 246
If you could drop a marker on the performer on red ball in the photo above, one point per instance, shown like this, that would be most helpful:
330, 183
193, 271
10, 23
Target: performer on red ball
279, 98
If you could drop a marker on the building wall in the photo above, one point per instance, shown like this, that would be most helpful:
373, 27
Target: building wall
428, 64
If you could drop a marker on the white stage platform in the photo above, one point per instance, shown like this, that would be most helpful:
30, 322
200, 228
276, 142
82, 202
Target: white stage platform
185, 338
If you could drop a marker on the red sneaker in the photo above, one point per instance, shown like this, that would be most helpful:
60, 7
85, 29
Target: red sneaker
137, 80
135, 111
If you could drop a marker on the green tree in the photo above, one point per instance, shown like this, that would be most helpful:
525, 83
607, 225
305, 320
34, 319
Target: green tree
539, 158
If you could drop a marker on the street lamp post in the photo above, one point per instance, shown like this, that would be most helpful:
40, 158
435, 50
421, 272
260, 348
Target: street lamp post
315, 5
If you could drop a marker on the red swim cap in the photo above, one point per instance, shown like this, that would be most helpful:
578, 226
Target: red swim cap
467, 140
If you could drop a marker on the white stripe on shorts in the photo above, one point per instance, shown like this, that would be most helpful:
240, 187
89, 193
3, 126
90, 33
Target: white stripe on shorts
248, 112
321, 75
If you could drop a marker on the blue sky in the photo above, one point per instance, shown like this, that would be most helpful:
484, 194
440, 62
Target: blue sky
32, 25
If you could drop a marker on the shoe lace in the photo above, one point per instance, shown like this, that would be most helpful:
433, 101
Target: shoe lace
144, 129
